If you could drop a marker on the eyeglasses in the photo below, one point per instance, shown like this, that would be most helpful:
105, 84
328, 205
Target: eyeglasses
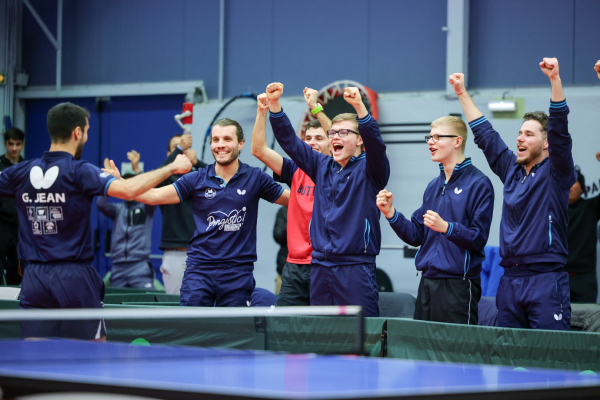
436, 138
341, 132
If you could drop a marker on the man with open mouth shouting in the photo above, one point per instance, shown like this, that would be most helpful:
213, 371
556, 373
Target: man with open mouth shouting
344, 230
534, 291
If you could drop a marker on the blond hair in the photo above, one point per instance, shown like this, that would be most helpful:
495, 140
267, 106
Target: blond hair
455, 122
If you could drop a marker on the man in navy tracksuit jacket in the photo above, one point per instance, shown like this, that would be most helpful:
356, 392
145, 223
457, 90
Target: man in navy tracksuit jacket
344, 230
452, 228
534, 291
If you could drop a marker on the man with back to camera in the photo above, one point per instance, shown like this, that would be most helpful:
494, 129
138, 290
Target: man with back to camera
177, 219
14, 141
344, 230
54, 196
534, 291
582, 237
225, 197
295, 277
452, 227
131, 236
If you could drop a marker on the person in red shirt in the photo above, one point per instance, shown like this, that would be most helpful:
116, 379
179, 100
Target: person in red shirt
295, 277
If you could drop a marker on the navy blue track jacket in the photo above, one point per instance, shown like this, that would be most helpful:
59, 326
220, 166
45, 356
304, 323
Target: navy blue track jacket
466, 202
533, 229
344, 229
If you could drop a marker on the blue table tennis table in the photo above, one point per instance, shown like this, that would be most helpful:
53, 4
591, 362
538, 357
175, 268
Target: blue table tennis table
173, 372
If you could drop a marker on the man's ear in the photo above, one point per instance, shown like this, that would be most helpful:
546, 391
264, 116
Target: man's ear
545, 146
458, 142
359, 142
77, 134
242, 144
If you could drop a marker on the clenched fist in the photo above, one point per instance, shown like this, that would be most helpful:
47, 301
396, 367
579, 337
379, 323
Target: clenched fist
458, 83
433, 221
262, 102
134, 157
384, 203
181, 165
185, 142
352, 96
549, 67
597, 68
274, 91
311, 97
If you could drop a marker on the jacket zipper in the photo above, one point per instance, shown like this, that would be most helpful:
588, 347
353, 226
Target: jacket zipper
366, 234
332, 203
309, 238
467, 262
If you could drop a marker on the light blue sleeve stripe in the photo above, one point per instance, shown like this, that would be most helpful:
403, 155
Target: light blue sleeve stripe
280, 193
364, 120
177, 190
276, 115
561, 104
394, 218
477, 122
108, 184
450, 229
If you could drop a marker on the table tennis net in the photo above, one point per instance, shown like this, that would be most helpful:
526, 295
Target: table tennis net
321, 330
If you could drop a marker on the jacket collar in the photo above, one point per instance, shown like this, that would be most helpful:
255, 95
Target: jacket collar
458, 169
354, 159
210, 170
6, 161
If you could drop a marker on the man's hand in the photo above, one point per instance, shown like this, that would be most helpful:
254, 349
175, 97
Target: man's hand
311, 97
111, 168
274, 91
458, 83
549, 67
263, 103
185, 142
181, 165
191, 155
597, 68
134, 157
384, 203
434, 222
352, 96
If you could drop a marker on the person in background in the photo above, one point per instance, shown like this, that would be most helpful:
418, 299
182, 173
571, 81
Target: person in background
131, 236
14, 141
280, 236
582, 238
177, 219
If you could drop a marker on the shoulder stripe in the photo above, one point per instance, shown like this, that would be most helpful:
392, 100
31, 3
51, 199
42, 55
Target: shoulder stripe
177, 190
279, 195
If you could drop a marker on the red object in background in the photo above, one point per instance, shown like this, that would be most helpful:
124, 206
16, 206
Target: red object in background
373, 99
188, 107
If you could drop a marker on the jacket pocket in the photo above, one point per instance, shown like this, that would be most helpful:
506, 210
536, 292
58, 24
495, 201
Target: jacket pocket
467, 263
366, 234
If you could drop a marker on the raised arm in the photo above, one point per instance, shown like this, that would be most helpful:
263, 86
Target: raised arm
411, 231
301, 153
134, 157
498, 155
311, 96
560, 144
164, 195
108, 209
260, 149
378, 165
131, 188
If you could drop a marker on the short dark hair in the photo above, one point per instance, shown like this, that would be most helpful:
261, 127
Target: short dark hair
63, 118
15, 134
229, 122
314, 124
540, 117
172, 137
